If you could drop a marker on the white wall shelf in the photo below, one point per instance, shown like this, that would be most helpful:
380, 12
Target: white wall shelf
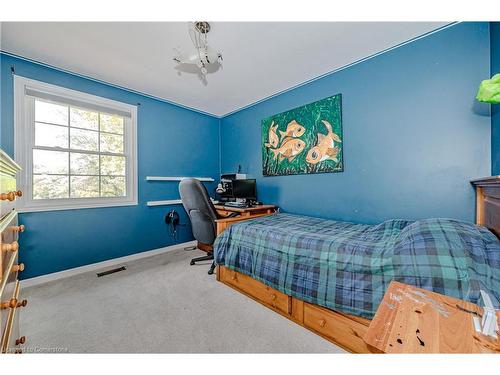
168, 202
159, 178
164, 203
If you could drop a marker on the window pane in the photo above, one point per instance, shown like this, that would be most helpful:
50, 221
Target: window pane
83, 139
51, 135
113, 186
84, 187
112, 143
113, 165
51, 162
50, 112
50, 187
111, 123
81, 118
84, 164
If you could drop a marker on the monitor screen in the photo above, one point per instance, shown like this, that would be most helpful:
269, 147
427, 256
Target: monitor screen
245, 189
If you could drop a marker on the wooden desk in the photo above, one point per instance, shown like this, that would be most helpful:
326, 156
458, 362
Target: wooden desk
244, 214
414, 320
246, 211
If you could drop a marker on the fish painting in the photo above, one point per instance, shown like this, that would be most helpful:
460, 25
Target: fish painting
304, 140
273, 139
293, 129
325, 147
289, 149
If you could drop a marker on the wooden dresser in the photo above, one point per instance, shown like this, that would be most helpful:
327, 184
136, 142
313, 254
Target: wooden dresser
11, 303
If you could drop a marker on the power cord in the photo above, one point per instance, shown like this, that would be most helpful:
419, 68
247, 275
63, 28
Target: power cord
173, 221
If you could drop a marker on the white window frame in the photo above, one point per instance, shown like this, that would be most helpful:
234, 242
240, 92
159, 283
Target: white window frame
24, 142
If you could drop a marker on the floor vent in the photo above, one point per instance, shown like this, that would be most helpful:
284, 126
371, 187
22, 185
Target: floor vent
109, 272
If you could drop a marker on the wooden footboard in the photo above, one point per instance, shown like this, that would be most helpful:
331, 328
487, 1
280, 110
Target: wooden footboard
344, 330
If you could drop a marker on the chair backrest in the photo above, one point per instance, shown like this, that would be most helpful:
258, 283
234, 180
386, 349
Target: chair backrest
200, 209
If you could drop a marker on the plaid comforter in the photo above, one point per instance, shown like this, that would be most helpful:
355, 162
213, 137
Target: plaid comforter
347, 267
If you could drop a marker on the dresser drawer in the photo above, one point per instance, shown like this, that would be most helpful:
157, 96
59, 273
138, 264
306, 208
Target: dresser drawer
15, 339
8, 193
268, 296
10, 335
9, 249
9, 267
9, 283
337, 327
9, 246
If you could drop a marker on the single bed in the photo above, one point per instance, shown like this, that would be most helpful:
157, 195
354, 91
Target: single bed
347, 267
330, 276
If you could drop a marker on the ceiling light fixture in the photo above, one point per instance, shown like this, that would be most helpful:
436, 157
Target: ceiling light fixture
203, 56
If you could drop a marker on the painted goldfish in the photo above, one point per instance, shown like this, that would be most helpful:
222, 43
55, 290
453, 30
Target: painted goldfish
325, 147
293, 129
273, 139
289, 149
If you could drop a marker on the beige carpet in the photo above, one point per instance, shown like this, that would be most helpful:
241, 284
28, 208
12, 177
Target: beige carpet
158, 305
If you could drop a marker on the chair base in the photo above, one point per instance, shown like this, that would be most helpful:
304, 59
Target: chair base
210, 256
201, 259
212, 268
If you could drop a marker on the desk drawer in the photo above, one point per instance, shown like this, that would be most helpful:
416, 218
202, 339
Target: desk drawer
264, 294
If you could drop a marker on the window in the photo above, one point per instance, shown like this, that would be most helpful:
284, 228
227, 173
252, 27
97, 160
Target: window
76, 150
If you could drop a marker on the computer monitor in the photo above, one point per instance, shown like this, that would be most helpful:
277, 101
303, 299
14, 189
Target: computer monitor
245, 189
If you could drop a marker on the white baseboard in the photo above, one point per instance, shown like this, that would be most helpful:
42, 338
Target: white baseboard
101, 265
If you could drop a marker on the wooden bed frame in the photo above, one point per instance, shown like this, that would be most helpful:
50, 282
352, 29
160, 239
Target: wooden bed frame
346, 331
488, 203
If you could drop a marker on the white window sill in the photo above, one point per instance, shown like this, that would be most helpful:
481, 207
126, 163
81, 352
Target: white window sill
65, 207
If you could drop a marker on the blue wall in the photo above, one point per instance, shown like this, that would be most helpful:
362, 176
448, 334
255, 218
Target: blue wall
495, 108
413, 134
172, 141
413, 137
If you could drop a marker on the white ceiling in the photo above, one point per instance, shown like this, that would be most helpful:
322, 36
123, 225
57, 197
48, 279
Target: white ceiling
260, 59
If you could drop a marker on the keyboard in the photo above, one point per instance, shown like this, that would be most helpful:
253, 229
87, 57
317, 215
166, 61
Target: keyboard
236, 204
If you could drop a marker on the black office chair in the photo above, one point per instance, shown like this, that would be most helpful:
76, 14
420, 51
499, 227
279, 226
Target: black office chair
202, 214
